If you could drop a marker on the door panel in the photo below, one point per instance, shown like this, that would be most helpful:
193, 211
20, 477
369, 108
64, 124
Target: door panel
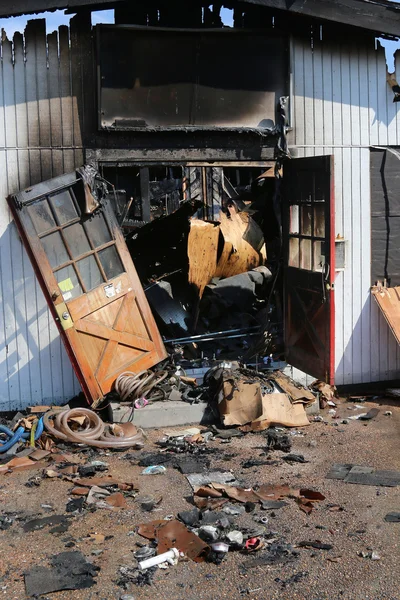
309, 265
90, 283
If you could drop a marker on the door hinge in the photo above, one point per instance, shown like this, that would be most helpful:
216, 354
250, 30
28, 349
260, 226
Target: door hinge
64, 317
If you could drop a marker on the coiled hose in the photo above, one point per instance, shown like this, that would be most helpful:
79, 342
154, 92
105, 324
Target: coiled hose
19, 434
131, 386
94, 431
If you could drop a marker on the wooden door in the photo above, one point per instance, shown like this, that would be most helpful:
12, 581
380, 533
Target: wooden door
309, 265
90, 283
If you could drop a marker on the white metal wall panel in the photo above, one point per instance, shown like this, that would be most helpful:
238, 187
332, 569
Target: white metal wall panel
342, 105
38, 140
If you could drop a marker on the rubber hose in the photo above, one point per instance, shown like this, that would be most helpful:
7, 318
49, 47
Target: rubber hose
16, 436
134, 385
96, 433
25, 435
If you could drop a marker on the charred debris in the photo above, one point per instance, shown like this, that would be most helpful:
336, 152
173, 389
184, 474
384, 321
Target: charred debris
208, 258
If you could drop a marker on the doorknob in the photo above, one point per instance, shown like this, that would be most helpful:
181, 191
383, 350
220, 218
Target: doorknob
63, 316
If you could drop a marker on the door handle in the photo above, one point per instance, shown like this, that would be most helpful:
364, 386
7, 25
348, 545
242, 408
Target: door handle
64, 318
325, 280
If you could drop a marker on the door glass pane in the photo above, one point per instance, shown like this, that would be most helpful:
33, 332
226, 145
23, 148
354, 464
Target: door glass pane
41, 216
76, 239
305, 226
63, 207
90, 272
319, 220
294, 252
54, 247
98, 230
319, 256
68, 283
294, 219
321, 187
111, 262
305, 255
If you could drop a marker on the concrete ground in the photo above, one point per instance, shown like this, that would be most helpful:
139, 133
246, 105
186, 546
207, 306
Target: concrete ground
338, 573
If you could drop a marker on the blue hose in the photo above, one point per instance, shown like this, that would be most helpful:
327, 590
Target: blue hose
19, 434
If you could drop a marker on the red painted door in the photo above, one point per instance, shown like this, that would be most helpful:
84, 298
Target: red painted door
309, 265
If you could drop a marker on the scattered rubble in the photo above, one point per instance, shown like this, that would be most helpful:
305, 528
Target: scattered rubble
364, 475
69, 571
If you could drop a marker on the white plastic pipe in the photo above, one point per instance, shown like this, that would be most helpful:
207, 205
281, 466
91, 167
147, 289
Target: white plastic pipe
168, 557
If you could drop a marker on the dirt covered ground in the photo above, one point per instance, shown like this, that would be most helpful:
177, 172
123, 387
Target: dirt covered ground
339, 573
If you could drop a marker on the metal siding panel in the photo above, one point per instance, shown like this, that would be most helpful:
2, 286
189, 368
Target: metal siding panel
298, 90
382, 89
309, 122
31, 86
318, 95
356, 266
54, 90
9, 95
42, 84
373, 96
364, 98
69, 160
391, 109
337, 96
34, 367
65, 88
346, 96
76, 78
355, 97
57, 163
365, 276
5, 270
348, 273
21, 111
327, 95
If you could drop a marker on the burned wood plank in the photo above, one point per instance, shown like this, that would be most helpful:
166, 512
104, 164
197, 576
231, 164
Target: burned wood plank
202, 253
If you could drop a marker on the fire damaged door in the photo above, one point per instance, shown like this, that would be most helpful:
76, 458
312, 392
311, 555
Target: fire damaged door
309, 265
89, 281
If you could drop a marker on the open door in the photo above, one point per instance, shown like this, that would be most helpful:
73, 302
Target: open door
89, 281
308, 234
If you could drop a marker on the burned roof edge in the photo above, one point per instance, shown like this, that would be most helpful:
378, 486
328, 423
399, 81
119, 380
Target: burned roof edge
380, 16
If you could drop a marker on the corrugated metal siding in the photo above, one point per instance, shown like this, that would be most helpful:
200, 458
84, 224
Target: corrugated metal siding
343, 105
39, 138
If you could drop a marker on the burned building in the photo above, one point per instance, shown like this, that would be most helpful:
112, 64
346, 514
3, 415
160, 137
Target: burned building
286, 116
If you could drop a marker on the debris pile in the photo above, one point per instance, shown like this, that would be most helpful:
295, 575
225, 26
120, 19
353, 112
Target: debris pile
256, 401
204, 277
